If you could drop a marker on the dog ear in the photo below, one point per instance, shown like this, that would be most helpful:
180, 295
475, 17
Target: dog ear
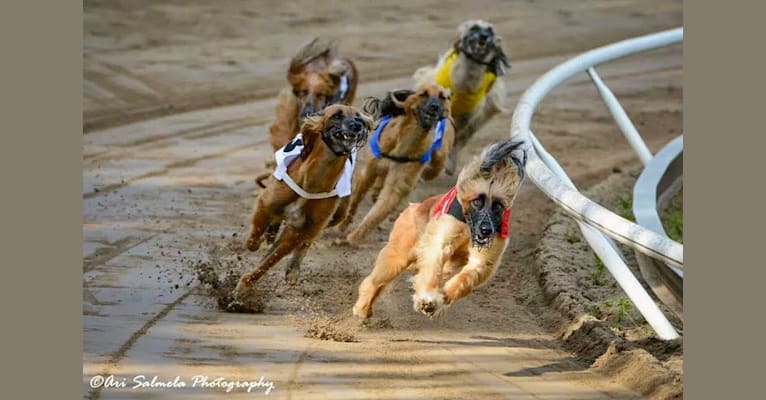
337, 69
500, 62
398, 97
461, 30
503, 155
312, 128
310, 51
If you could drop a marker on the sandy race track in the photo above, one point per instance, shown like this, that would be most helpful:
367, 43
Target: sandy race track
177, 100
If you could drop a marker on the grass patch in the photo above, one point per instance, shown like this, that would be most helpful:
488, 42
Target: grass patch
626, 208
598, 276
673, 218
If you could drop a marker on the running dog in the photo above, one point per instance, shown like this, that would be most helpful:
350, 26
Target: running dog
413, 137
318, 77
453, 241
312, 176
470, 70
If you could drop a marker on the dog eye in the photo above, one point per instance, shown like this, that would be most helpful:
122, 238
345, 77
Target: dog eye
478, 202
497, 206
424, 94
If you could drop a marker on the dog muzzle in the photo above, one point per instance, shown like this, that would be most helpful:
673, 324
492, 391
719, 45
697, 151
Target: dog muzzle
346, 137
485, 225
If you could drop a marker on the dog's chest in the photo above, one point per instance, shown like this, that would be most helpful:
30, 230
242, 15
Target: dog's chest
468, 81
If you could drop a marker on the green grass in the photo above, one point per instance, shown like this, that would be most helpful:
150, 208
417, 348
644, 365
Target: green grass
599, 274
673, 218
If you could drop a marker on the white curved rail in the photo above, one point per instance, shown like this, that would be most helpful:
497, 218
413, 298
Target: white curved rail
594, 220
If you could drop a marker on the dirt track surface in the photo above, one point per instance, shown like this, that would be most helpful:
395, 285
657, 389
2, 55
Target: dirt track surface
157, 193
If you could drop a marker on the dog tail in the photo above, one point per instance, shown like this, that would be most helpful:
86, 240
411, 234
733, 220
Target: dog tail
372, 106
502, 154
378, 108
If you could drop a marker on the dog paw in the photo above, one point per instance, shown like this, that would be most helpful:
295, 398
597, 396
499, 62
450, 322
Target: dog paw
342, 242
361, 312
252, 244
429, 304
291, 278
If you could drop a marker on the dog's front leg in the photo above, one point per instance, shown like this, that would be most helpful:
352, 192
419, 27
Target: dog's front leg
480, 267
288, 241
362, 181
434, 249
395, 257
267, 213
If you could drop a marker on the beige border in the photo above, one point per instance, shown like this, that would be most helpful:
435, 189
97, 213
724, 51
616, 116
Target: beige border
723, 118
41, 172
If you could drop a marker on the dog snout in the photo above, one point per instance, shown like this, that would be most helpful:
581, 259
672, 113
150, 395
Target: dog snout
355, 125
434, 107
307, 109
485, 229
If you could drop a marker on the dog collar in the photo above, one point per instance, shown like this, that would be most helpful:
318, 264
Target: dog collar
436, 145
448, 205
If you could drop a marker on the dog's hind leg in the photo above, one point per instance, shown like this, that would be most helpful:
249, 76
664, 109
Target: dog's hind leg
376, 188
397, 187
340, 212
294, 267
359, 188
391, 261
271, 232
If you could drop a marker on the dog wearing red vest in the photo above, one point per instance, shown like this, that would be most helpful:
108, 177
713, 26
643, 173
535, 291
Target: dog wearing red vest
453, 242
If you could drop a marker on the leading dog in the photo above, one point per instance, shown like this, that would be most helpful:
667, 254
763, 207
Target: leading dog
471, 70
453, 241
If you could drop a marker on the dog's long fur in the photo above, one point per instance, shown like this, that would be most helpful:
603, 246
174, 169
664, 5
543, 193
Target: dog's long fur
467, 77
317, 170
406, 137
443, 250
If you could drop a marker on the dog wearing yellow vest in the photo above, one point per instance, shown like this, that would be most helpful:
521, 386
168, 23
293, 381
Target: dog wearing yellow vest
471, 71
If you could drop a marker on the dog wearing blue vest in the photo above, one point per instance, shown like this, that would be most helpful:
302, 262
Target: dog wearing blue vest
453, 241
413, 138
308, 192
472, 70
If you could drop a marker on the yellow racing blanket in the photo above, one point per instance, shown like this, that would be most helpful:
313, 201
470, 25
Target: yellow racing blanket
462, 102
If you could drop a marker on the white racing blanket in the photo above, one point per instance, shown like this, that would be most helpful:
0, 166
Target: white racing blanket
290, 151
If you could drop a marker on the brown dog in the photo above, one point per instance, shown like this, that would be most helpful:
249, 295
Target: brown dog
472, 70
415, 136
318, 78
306, 197
453, 241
